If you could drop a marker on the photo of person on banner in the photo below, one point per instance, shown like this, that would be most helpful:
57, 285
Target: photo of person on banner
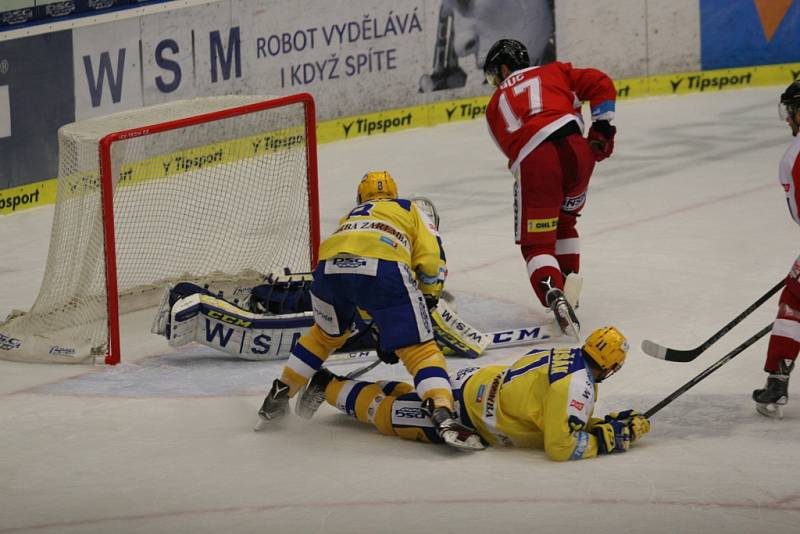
467, 28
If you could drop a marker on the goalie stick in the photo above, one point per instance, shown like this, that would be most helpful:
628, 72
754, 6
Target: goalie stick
503, 338
675, 355
719, 363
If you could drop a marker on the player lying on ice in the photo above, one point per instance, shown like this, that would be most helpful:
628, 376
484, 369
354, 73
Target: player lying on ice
543, 400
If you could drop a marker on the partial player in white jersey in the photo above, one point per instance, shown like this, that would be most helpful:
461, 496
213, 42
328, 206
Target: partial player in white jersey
544, 400
784, 343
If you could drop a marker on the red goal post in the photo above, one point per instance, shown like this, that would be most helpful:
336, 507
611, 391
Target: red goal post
212, 190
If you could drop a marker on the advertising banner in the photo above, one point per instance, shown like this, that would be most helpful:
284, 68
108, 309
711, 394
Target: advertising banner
36, 98
106, 68
177, 54
353, 58
736, 33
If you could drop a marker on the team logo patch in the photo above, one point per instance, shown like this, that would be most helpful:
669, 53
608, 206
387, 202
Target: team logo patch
542, 225
409, 413
573, 203
349, 263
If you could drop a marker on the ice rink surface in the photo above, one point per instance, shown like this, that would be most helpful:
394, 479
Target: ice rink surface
685, 226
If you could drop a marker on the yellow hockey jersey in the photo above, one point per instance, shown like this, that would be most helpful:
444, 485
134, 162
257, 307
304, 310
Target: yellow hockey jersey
394, 230
544, 400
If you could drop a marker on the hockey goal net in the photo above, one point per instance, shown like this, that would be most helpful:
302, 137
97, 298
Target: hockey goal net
220, 189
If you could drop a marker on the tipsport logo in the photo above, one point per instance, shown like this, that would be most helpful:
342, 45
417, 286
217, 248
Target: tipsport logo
369, 127
701, 83
17, 201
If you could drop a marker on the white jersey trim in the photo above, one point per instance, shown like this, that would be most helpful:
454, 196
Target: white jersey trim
539, 137
542, 260
300, 367
786, 328
571, 245
421, 314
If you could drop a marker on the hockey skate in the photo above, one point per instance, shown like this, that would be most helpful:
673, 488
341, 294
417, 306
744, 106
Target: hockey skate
450, 430
772, 397
313, 395
562, 310
275, 404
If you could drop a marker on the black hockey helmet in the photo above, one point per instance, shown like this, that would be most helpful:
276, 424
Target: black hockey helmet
508, 52
791, 96
789, 105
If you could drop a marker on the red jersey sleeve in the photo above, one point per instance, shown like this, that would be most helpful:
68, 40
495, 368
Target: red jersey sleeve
597, 88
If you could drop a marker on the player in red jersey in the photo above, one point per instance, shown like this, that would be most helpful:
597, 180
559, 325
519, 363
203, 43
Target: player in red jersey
535, 118
784, 343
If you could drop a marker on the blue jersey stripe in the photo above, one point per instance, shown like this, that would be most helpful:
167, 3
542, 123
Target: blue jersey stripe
388, 387
403, 203
430, 372
458, 396
350, 403
522, 370
307, 357
604, 107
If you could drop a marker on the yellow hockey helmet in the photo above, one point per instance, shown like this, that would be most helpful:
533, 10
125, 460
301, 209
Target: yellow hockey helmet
374, 185
607, 348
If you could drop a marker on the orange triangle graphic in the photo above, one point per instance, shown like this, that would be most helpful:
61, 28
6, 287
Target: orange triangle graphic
771, 13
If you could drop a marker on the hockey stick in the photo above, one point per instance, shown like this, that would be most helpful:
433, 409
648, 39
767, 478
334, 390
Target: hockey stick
504, 338
675, 355
719, 363
362, 370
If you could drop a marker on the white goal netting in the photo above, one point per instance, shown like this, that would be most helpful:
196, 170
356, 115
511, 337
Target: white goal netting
226, 199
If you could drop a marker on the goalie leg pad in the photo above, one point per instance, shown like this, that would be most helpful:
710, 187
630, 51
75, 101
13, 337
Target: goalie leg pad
216, 323
454, 336
282, 295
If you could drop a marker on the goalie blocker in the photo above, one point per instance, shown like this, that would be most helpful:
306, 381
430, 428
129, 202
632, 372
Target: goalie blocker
273, 316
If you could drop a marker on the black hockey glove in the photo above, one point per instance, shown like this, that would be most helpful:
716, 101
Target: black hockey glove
388, 356
601, 139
